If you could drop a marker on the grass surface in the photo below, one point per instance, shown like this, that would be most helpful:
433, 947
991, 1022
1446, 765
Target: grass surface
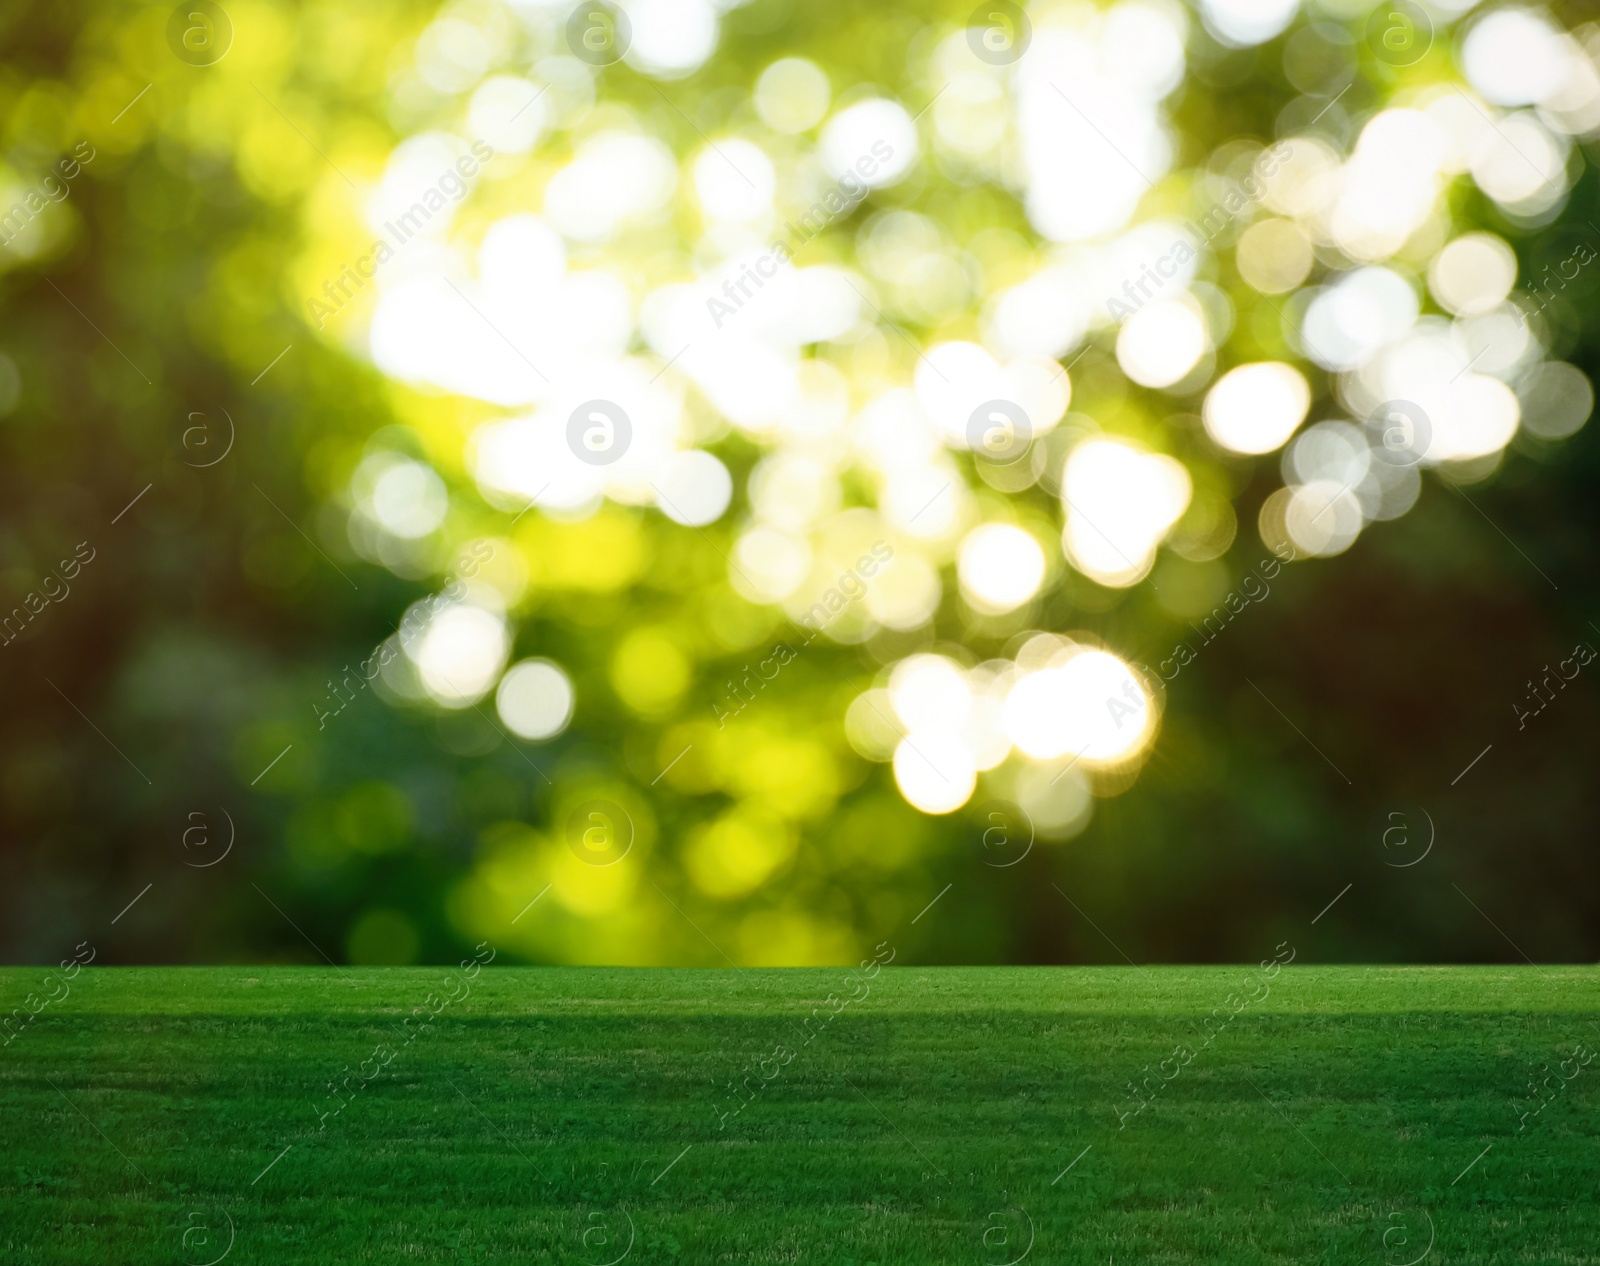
545, 1116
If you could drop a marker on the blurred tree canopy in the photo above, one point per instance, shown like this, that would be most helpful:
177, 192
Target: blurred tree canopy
199, 714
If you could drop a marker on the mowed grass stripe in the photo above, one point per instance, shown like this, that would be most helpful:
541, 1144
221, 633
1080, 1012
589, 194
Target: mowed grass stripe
545, 1117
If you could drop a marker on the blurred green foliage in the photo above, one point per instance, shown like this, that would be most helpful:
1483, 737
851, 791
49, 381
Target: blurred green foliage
161, 315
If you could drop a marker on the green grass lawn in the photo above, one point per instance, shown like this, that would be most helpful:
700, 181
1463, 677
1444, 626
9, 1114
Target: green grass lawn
940, 1115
